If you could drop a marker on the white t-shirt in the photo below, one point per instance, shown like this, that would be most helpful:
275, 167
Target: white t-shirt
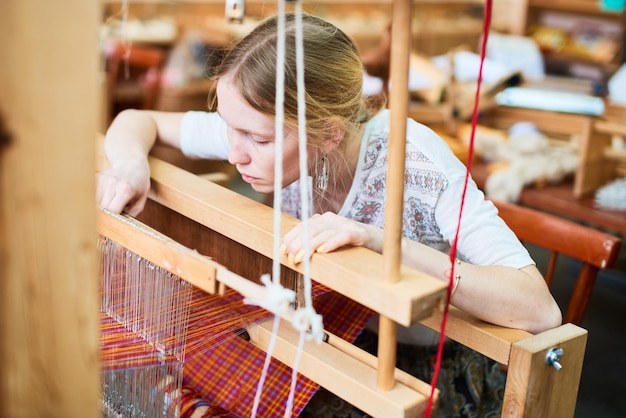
434, 181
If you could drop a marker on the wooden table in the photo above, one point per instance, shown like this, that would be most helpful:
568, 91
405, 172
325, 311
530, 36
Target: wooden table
559, 199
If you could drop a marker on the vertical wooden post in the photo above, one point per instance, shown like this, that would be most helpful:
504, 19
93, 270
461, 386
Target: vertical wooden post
518, 17
399, 106
48, 264
536, 389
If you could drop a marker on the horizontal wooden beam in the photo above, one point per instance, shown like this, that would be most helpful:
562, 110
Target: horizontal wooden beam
355, 272
342, 374
157, 248
197, 269
491, 340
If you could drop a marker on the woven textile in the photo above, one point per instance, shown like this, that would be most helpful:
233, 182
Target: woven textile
227, 374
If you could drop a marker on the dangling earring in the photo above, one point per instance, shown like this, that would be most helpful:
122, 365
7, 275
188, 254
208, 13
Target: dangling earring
322, 179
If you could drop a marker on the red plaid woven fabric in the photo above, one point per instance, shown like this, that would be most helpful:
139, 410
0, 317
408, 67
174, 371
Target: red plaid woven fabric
227, 373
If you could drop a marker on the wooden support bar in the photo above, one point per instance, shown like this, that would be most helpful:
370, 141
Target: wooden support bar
387, 354
155, 247
591, 172
372, 361
399, 110
615, 155
342, 374
491, 340
49, 302
189, 265
503, 117
536, 389
610, 128
533, 389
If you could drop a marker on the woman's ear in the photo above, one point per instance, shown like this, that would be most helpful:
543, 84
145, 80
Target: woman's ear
336, 131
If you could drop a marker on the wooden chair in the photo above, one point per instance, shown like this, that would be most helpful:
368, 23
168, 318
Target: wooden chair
133, 76
594, 249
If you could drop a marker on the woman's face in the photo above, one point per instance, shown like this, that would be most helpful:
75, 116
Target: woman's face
251, 136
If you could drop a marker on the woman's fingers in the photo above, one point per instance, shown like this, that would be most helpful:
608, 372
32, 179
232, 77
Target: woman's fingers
119, 193
114, 196
326, 233
135, 207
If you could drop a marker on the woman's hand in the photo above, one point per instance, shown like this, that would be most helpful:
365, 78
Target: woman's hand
132, 134
328, 232
124, 188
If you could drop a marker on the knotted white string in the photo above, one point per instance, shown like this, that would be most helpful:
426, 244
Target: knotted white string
278, 180
305, 320
276, 300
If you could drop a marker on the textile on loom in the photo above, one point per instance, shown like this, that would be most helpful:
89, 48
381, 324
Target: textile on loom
200, 348
231, 375
142, 340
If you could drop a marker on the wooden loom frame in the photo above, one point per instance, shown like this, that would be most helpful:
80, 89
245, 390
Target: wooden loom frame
50, 329
402, 295
181, 202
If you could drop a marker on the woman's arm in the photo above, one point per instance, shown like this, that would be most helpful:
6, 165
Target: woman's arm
516, 298
124, 186
507, 296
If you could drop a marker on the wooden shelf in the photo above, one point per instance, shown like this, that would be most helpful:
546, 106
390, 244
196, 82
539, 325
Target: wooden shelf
569, 62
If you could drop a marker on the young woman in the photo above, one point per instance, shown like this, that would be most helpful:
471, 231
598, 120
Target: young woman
347, 149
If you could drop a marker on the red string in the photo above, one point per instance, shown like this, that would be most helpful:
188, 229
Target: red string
453, 249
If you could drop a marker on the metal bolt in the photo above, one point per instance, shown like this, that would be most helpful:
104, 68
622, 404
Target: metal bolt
553, 356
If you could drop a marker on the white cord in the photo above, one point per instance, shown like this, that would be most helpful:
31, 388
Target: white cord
305, 320
278, 180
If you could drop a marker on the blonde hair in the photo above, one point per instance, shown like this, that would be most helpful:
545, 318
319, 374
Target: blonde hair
333, 76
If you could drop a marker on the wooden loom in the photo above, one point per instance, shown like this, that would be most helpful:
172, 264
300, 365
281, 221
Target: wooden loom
183, 206
49, 329
193, 213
